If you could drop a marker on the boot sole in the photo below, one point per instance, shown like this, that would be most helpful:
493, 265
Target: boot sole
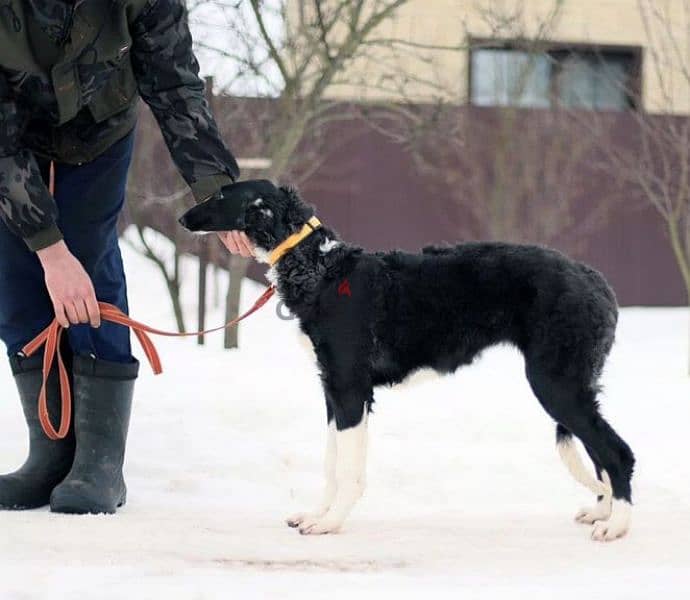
20, 507
76, 507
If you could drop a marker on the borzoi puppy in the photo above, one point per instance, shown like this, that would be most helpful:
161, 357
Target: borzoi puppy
374, 318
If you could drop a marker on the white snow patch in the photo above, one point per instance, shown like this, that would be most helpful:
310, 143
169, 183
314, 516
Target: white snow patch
466, 496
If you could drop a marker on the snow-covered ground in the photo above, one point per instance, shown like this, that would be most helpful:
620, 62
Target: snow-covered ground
466, 496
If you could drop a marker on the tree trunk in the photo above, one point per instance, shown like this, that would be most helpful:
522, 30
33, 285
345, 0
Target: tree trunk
216, 285
172, 280
679, 252
237, 269
201, 303
683, 265
288, 135
174, 291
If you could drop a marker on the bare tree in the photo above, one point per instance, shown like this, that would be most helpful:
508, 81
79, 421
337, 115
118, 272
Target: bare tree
515, 174
295, 50
658, 165
656, 159
666, 142
522, 186
290, 51
149, 200
308, 49
518, 176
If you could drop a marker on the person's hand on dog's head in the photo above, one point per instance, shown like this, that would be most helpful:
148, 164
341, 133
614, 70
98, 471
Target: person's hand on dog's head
224, 213
237, 242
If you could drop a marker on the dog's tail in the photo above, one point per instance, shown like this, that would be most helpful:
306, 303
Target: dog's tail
573, 461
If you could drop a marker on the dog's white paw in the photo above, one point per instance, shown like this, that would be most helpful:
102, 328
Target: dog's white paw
319, 526
299, 518
590, 515
616, 526
605, 531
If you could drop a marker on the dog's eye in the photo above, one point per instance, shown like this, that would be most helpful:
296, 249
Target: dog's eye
267, 212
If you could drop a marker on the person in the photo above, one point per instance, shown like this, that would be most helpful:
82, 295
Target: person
71, 73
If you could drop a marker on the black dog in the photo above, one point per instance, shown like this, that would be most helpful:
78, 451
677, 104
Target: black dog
375, 318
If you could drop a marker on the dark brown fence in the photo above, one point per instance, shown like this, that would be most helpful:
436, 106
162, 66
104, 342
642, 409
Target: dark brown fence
383, 194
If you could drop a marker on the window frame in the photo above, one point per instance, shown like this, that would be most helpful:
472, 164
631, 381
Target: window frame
557, 48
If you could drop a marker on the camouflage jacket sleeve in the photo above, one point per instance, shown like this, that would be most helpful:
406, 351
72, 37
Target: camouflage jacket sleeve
167, 75
26, 206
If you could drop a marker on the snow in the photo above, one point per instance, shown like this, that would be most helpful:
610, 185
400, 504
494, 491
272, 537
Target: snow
466, 494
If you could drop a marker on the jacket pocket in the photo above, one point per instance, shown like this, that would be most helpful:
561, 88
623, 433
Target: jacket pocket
117, 93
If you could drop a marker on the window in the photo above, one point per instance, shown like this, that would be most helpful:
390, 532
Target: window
510, 78
573, 77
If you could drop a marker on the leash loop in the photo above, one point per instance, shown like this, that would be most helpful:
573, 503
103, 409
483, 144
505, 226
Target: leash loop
50, 338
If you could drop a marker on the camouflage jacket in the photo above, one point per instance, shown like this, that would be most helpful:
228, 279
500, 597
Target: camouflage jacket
71, 72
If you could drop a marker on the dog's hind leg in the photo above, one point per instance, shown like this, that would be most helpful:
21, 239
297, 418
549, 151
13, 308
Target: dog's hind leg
350, 469
575, 408
601, 511
617, 461
601, 486
329, 472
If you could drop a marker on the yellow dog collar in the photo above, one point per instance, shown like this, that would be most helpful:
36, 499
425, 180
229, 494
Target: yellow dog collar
289, 243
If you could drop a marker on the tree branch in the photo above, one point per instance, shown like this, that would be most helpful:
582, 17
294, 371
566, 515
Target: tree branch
272, 50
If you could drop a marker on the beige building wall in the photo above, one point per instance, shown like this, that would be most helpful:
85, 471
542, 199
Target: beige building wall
412, 71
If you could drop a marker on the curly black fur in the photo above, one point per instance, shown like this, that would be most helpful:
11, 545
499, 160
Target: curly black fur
440, 309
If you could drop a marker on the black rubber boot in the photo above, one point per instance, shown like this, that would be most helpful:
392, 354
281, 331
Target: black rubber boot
102, 405
49, 461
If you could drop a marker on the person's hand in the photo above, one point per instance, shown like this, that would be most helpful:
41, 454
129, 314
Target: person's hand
69, 287
237, 242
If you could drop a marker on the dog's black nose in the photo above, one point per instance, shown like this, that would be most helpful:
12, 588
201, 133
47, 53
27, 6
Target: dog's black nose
182, 220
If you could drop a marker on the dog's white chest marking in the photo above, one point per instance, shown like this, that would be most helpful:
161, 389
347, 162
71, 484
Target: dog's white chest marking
272, 275
261, 255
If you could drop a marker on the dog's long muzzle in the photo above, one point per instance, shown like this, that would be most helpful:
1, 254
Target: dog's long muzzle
215, 214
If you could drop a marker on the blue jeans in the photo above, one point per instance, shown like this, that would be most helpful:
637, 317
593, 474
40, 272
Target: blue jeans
89, 198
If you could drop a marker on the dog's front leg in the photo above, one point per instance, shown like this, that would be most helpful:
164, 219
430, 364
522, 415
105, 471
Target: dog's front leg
329, 472
350, 469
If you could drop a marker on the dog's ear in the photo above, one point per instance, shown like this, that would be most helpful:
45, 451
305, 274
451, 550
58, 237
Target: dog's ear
297, 212
249, 191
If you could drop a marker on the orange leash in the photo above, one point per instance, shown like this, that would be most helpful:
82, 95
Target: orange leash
51, 335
